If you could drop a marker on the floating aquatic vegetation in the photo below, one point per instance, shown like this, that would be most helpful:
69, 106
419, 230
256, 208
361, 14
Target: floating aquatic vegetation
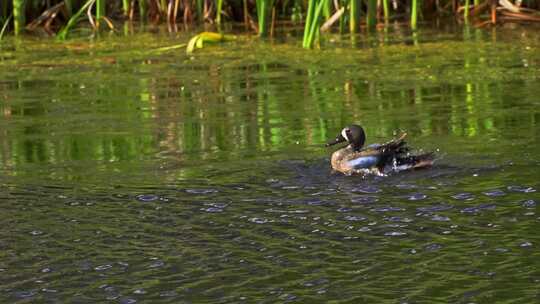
199, 40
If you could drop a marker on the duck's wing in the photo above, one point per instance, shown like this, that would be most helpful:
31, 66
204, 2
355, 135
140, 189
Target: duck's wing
375, 155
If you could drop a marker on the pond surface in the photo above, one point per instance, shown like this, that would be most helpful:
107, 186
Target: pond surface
130, 175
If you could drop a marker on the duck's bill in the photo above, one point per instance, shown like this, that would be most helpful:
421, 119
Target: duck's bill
336, 141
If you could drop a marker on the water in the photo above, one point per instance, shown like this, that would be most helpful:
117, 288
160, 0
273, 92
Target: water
135, 176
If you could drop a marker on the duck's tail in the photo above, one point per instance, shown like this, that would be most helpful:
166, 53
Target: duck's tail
414, 161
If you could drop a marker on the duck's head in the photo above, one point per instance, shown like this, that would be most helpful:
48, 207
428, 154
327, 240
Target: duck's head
353, 134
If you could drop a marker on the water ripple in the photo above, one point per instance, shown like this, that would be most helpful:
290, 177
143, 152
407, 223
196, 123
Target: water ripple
387, 209
529, 203
464, 196
479, 208
521, 189
364, 199
201, 191
147, 197
434, 208
494, 193
366, 189
417, 197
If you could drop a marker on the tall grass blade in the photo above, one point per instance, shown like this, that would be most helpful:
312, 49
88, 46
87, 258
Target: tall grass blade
18, 15
62, 34
371, 17
414, 15
327, 10
218, 11
354, 18
263, 7
143, 10
385, 10
315, 24
163, 6
4, 27
307, 25
125, 7
199, 7
100, 11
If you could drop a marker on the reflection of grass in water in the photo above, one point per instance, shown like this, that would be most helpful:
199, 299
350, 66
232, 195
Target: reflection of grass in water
225, 104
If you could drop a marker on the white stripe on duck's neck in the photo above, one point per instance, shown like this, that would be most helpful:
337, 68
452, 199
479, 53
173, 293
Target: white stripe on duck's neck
344, 134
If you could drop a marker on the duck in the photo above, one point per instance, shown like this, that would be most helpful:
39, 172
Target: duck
377, 159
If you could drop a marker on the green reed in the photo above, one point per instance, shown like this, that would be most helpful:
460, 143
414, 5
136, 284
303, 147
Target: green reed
18, 15
263, 10
4, 27
313, 22
199, 9
100, 10
218, 11
385, 10
62, 34
354, 16
143, 10
414, 14
371, 16
125, 7
241, 11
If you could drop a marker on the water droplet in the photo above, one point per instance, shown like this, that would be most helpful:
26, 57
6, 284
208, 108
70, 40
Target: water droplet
521, 189
478, 208
366, 189
103, 267
258, 220
36, 232
406, 186
399, 219
529, 204
49, 290
212, 210
156, 264
495, 193
387, 209
465, 196
25, 294
434, 208
201, 191
147, 198
417, 197
395, 233
525, 244
433, 247
354, 218
364, 199
139, 291
315, 202
440, 218
168, 294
